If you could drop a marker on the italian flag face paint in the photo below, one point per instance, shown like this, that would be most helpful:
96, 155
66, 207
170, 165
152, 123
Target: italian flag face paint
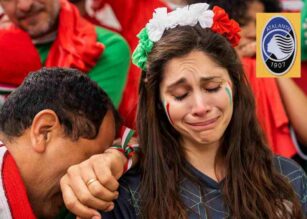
167, 109
228, 91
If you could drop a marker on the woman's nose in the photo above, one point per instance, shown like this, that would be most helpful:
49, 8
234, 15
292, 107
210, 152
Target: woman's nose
201, 105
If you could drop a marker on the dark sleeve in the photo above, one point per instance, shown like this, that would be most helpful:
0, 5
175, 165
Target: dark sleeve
128, 203
304, 193
122, 210
301, 183
296, 176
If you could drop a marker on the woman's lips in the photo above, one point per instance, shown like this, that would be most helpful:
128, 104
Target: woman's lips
205, 125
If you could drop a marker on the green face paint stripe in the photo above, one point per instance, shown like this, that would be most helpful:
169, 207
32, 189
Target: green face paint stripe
228, 91
229, 94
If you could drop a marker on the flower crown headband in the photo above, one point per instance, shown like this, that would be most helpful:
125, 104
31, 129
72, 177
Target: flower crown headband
216, 19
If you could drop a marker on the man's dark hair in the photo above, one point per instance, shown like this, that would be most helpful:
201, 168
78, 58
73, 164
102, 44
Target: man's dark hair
78, 102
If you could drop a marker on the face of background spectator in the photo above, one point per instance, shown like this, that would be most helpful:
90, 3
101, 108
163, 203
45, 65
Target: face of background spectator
248, 27
37, 17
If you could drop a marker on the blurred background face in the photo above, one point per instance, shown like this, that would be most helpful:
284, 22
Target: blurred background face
45, 194
248, 26
197, 96
37, 17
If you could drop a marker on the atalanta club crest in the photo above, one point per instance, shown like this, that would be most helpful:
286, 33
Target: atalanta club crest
278, 44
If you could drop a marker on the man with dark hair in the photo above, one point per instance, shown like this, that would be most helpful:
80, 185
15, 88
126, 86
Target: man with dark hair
55, 119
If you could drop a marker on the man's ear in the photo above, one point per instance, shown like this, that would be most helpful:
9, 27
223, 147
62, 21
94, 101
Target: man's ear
45, 124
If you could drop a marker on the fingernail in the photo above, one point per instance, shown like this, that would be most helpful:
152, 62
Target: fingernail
110, 208
96, 217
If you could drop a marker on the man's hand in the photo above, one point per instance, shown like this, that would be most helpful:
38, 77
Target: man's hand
93, 184
247, 50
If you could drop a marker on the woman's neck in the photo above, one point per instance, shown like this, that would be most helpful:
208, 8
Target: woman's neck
204, 158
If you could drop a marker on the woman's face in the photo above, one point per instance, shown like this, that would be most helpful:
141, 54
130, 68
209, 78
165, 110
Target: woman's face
197, 96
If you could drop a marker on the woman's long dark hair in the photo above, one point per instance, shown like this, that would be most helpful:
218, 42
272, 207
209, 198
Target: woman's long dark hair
253, 189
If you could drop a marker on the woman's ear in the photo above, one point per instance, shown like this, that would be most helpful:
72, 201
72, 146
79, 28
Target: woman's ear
44, 125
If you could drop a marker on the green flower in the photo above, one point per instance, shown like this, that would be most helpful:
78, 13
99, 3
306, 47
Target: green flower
139, 56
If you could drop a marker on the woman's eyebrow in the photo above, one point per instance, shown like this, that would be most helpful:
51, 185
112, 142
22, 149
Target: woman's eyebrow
182, 81
211, 78
176, 83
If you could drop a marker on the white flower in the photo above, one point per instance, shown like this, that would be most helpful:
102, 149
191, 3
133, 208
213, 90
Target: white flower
173, 18
186, 16
206, 19
157, 24
191, 13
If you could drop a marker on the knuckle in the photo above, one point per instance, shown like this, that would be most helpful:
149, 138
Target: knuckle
85, 199
96, 191
71, 204
84, 167
103, 206
63, 180
116, 185
105, 179
95, 158
72, 169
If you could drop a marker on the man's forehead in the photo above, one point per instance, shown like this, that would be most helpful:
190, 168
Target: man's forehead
108, 121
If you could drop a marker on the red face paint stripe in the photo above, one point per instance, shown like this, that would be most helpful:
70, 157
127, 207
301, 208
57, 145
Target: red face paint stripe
168, 114
228, 82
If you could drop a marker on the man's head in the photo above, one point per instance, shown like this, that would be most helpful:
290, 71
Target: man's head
56, 118
37, 17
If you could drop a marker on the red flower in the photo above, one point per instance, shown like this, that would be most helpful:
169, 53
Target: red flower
226, 27
234, 36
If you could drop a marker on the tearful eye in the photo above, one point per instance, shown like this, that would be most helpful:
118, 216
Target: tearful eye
212, 90
181, 97
212, 86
